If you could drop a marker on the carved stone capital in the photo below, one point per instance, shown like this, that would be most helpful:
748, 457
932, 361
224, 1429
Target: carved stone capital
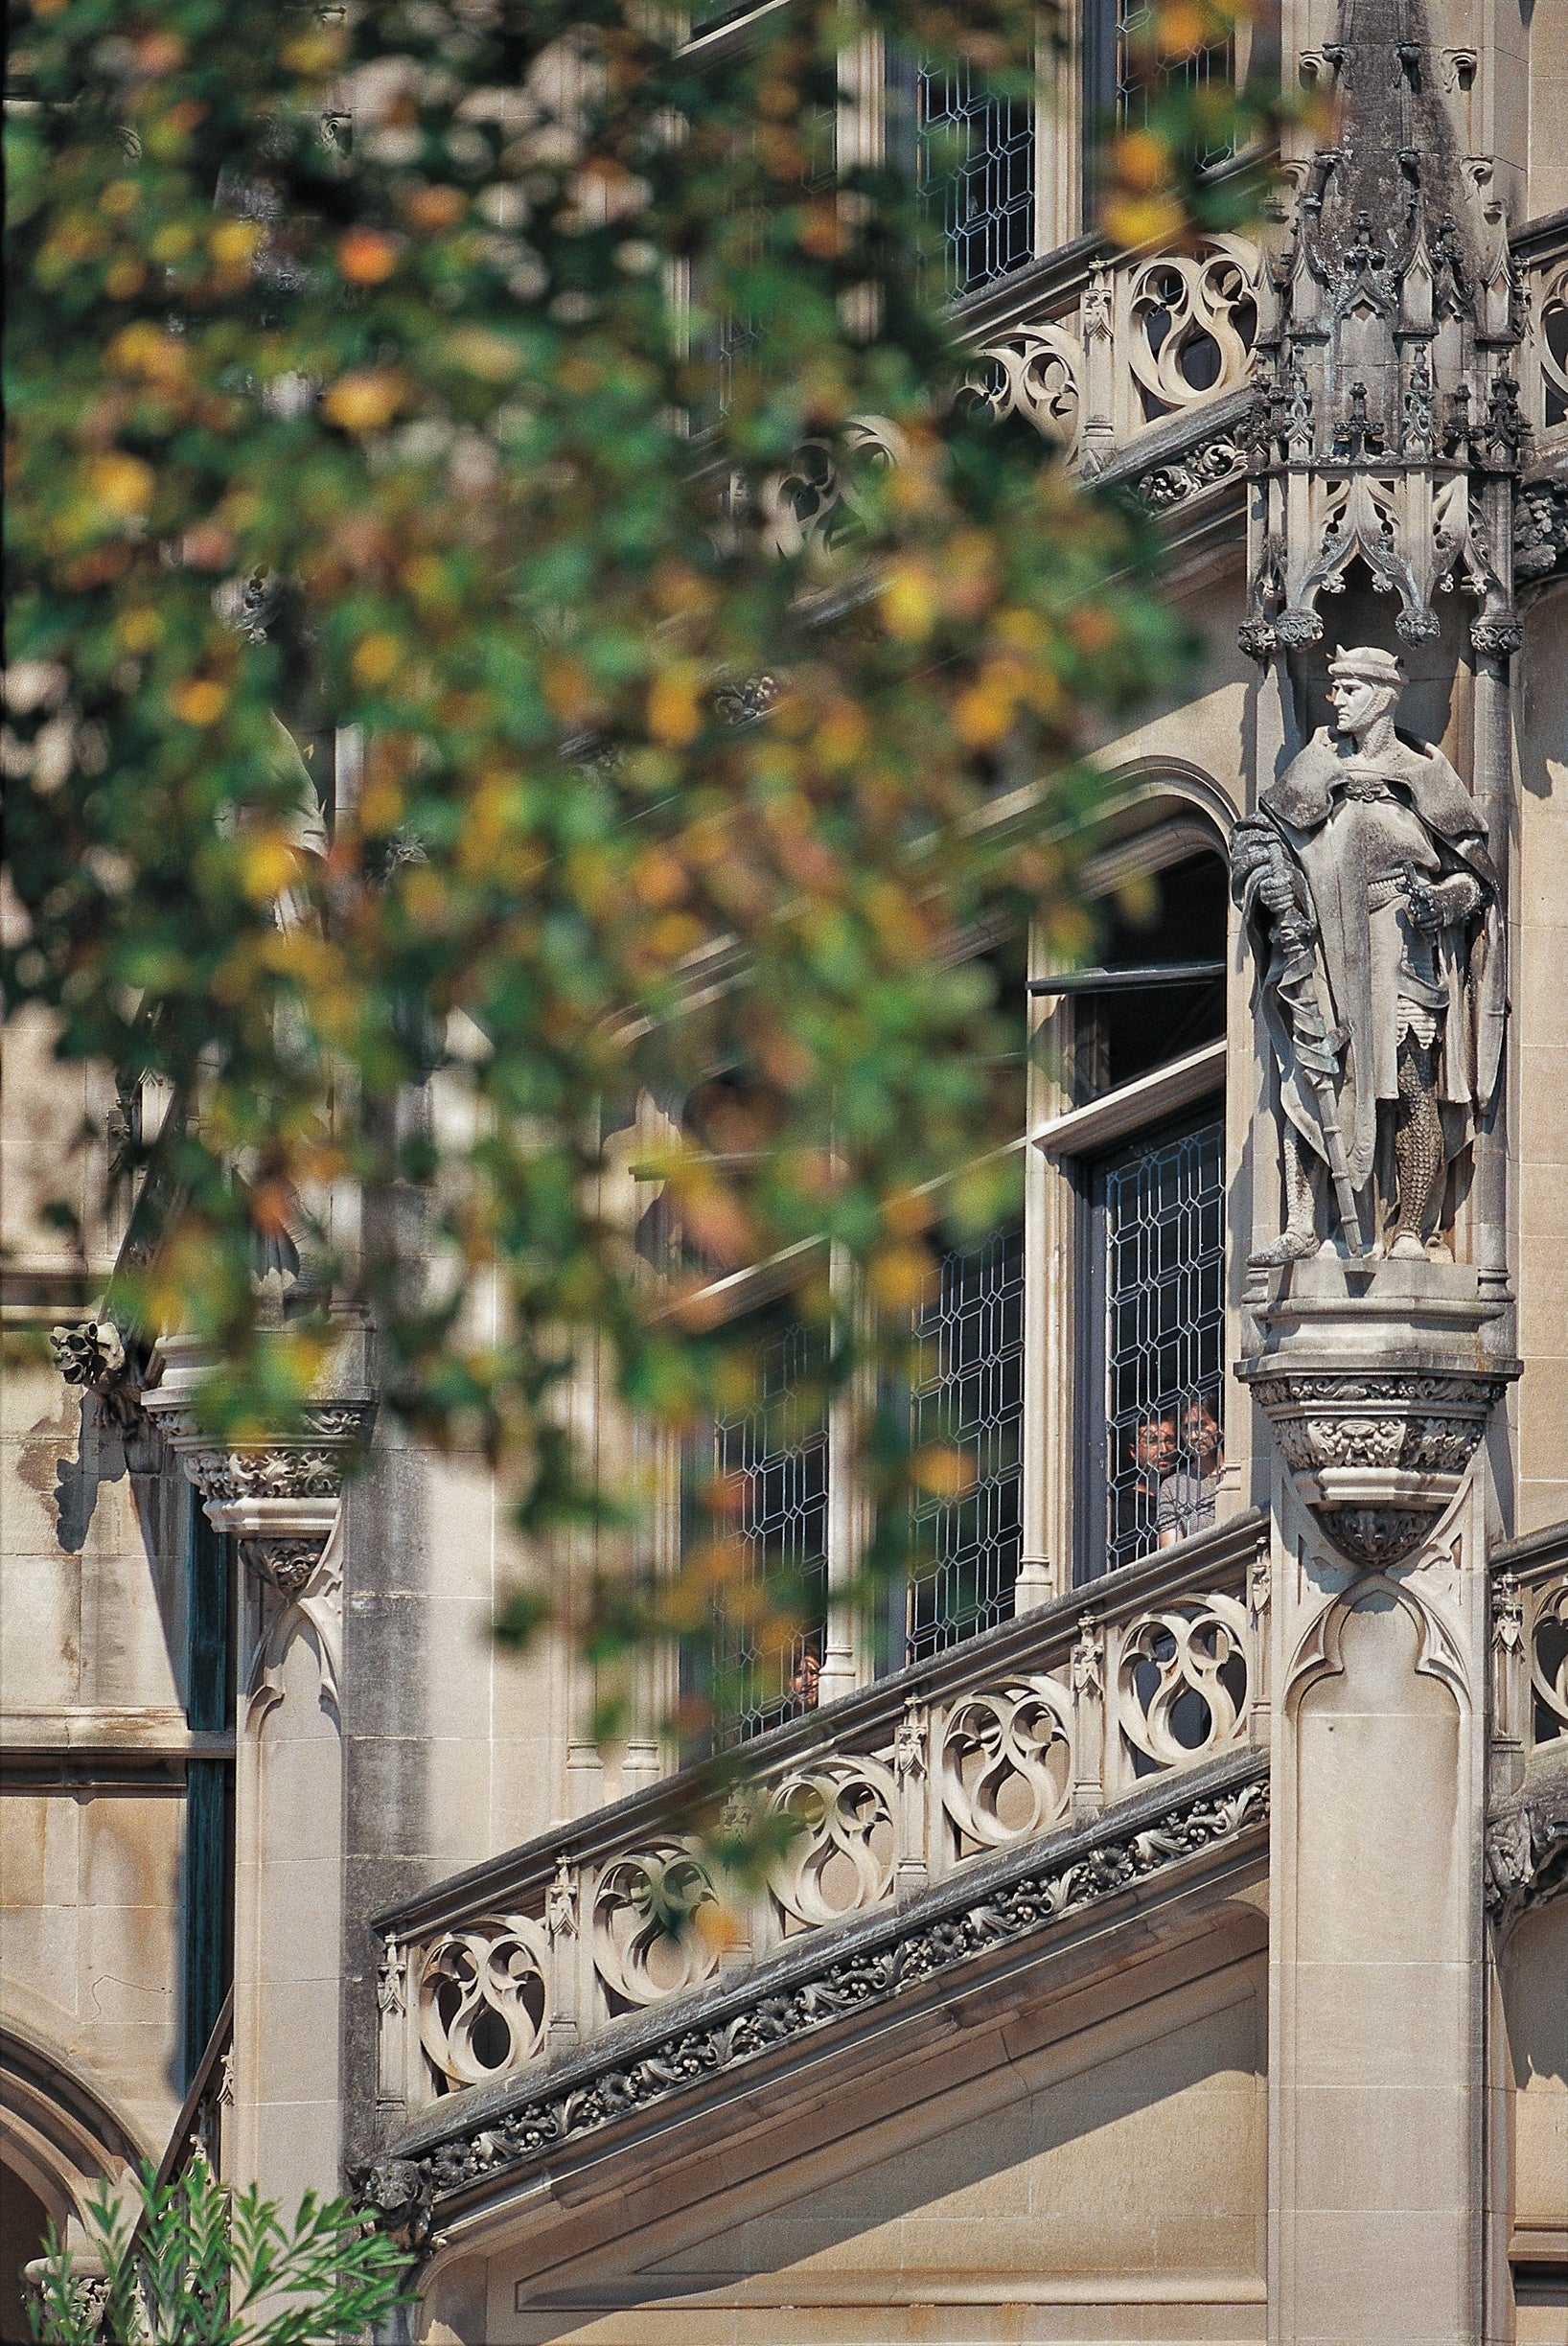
1499, 635
278, 1496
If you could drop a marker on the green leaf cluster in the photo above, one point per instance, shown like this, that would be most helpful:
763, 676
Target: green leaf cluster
193, 2262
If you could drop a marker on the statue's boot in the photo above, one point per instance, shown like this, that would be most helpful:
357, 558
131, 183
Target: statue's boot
1299, 1239
1292, 1245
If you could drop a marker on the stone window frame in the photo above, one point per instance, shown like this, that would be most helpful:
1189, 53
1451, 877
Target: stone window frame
1161, 811
1157, 812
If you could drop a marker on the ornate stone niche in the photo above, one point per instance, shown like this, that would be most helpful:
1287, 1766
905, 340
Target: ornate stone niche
1378, 1379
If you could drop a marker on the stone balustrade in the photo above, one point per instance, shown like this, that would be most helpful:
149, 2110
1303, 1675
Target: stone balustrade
1543, 385
1530, 1656
1527, 1826
1138, 343
1042, 1722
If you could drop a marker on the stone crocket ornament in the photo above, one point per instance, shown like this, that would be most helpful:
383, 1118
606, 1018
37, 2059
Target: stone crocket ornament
1374, 911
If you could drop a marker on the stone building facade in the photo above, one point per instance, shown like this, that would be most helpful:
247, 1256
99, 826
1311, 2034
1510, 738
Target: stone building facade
1175, 1949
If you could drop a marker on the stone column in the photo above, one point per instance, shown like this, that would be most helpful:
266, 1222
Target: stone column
281, 1501
1378, 1383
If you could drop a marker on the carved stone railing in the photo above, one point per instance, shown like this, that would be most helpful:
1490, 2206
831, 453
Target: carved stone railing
1527, 1830
952, 1947
1542, 253
1143, 341
202, 2124
1041, 1723
1529, 1651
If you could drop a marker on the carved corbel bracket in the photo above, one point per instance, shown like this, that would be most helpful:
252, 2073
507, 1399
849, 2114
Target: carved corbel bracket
280, 1499
1377, 1456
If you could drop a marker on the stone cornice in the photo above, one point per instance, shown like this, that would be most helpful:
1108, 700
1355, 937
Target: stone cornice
477, 2142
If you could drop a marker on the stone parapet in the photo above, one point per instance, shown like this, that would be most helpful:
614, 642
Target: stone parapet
1013, 1909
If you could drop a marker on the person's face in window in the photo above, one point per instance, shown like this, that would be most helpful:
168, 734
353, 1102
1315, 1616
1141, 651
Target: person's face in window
806, 1684
1201, 1436
1154, 1447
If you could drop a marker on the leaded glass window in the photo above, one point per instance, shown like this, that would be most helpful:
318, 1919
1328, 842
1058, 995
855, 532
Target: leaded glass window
970, 1394
976, 168
1158, 1235
767, 1473
1142, 77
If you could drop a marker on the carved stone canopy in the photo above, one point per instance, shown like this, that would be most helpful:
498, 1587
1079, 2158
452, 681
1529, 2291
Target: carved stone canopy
1388, 430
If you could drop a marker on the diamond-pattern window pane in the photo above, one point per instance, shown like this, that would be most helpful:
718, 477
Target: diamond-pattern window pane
1163, 1231
970, 1394
771, 1461
1141, 79
977, 175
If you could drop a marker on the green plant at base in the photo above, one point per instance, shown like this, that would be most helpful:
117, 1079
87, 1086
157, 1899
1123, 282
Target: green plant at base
193, 2263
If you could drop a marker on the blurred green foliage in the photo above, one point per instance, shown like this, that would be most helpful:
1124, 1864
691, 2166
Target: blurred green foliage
369, 380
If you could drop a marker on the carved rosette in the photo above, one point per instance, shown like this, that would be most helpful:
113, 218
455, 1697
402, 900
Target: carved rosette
1377, 1457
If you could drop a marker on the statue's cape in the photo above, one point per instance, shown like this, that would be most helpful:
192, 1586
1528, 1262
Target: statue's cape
1302, 795
1298, 804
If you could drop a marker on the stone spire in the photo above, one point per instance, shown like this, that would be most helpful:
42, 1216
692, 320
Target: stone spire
1388, 425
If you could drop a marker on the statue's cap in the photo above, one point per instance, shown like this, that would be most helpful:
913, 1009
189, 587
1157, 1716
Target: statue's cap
1368, 665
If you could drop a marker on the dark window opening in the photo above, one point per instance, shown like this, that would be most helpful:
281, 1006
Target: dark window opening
1121, 80
1125, 1034
207, 1966
758, 1486
975, 165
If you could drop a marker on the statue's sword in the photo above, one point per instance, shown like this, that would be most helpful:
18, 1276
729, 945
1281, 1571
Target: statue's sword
1317, 1056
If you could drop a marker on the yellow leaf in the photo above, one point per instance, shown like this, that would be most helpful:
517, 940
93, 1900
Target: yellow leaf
201, 702
673, 712
491, 357
909, 602
943, 1469
365, 399
267, 865
233, 241
139, 629
1142, 219
122, 483
898, 1277
174, 242
316, 53
376, 657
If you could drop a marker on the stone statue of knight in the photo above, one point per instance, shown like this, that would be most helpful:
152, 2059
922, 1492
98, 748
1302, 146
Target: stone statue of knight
1375, 908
